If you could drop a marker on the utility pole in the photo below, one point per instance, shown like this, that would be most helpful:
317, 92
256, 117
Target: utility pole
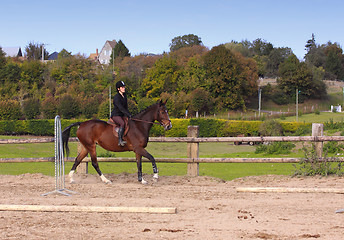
110, 101
297, 104
259, 100
42, 52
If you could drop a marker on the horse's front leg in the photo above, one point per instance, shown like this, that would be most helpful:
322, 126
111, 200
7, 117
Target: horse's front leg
139, 168
144, 153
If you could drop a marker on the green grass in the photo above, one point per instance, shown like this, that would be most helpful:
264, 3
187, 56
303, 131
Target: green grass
226, 171
314, 118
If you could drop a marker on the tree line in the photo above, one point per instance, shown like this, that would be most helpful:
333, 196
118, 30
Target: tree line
191, 76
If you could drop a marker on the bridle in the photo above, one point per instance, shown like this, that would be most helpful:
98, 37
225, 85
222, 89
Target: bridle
140, 120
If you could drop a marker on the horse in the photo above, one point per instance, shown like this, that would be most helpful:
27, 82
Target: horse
93, 132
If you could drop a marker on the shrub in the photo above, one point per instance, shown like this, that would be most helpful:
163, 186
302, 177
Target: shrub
90, 108
103, 112
31, 108
49, 108
68, 107
10, 110
333, 147
312, 165
270, 128
275, 148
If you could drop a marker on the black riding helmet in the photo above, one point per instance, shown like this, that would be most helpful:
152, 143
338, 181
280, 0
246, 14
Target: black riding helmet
120, 84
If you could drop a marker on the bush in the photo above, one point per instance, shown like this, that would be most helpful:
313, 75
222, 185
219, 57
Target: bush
68, 107
270, 128
49, 108
275, 148
312, 165
31, 108
90, 108
104, 112
10, 110
333, 147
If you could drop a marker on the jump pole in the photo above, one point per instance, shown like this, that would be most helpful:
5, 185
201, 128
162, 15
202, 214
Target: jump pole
59, 162
54, 208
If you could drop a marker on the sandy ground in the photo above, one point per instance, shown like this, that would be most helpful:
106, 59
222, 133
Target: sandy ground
207, 208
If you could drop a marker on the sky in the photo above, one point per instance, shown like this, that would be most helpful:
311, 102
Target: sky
148, 26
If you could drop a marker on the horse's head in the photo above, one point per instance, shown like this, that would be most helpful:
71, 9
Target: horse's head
163, 117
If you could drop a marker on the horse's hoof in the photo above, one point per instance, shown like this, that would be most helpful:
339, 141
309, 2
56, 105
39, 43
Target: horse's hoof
108, 182
144, 182
155, 177
71, 181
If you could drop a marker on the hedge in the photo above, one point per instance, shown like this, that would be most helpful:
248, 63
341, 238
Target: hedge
208, 127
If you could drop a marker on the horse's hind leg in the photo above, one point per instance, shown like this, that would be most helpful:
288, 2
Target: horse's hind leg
96, 165
83, 153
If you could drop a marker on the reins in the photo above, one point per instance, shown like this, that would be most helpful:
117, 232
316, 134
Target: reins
139, 120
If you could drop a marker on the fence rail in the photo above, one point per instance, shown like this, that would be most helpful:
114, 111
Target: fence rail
193, 141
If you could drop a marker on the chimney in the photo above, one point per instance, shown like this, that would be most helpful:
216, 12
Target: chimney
97, 52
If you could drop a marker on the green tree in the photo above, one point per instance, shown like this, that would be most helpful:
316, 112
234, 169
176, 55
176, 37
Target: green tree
334, 64
119, 51
161, 78
227, 81
31, 108
184, 41
34, 51
64, 54
2, 59
68, 107
315, 55
297, 75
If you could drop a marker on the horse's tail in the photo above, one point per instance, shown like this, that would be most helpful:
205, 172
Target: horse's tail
65, 137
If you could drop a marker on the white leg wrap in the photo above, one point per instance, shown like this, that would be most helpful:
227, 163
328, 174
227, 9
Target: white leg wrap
104, 179
143, 181
156, 175
71, 180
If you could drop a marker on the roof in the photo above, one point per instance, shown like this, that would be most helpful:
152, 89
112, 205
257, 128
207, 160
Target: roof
112, 43
53, 56
12, 51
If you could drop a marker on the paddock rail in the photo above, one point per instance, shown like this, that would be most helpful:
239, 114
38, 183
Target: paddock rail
193, 141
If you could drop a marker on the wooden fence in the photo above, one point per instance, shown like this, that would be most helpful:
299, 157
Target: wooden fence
193, 141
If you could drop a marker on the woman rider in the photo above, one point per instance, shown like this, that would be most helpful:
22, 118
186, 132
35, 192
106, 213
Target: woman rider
120, 110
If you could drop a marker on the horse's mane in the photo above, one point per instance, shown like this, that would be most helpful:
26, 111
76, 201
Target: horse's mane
146, 109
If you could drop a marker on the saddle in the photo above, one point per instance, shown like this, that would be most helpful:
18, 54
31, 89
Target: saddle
116, 127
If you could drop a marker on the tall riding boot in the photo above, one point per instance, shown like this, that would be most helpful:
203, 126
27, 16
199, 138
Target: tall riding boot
121, 142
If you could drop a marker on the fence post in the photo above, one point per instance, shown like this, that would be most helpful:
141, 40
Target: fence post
83, 166
193, 151
318, 130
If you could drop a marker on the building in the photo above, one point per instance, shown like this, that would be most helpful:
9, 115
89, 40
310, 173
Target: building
12, 51
94, 56
105, 54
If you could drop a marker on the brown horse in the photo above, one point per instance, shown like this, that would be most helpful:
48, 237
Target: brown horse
93, 132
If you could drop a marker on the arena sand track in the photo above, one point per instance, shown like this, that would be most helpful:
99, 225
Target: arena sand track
207, 208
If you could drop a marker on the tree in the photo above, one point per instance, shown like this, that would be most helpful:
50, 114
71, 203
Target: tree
120, 50
297, 75
184, 41
2, 58
64, 54
261, 47
226, 75
315, 55
334, 64
34, 51
161, 78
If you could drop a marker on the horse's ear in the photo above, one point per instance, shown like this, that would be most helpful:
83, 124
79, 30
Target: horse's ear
165, 102
160, 102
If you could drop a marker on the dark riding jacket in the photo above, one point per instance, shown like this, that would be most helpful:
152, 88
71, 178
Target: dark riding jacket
120, 106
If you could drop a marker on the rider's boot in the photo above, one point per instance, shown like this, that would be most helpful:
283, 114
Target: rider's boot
121, 142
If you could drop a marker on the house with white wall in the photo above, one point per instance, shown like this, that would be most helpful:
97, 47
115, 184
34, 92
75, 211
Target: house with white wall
105, 54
